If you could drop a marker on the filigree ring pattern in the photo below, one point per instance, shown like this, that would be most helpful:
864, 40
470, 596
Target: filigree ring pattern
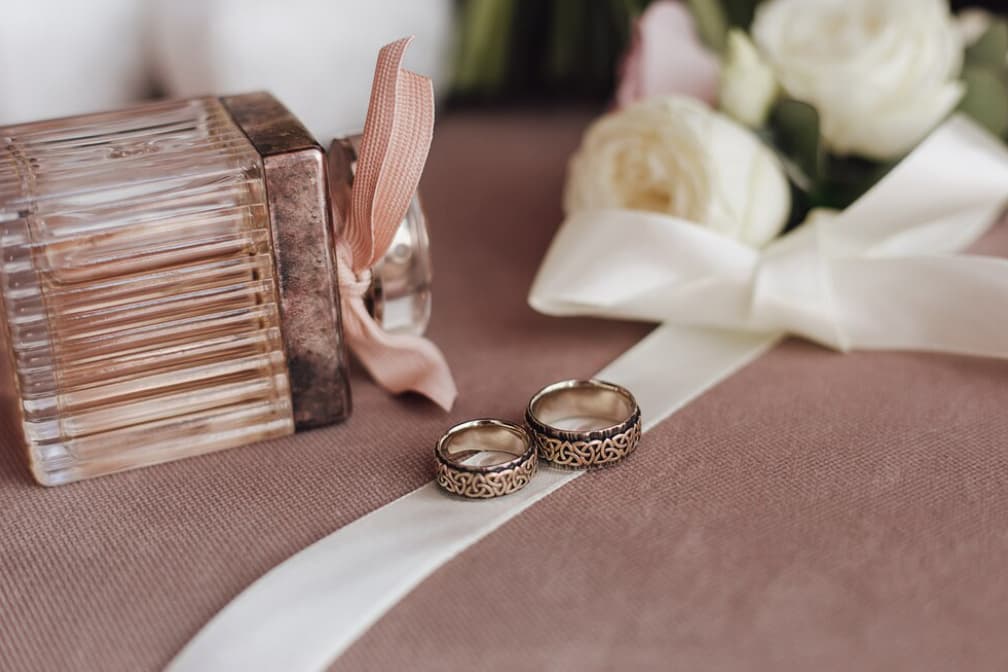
589, 448
484, 481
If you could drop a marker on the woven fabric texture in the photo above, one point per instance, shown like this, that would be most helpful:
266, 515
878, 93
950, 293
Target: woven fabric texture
815, 511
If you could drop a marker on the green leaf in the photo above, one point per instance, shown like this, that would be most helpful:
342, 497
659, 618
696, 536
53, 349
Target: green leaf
739, 13
846, 178
991, 50
986, 98
483, 57
796, 129
711, 22
569, 28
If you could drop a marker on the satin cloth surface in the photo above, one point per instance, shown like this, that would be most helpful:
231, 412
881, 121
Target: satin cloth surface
814, 511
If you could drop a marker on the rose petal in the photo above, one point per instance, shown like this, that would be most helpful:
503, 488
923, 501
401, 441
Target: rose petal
667, 57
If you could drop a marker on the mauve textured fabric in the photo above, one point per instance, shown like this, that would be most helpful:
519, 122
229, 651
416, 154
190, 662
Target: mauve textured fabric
814, 511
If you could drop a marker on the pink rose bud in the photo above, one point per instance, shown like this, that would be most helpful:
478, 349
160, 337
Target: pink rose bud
667, 57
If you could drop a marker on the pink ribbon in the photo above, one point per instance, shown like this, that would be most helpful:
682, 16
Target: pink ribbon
394, 145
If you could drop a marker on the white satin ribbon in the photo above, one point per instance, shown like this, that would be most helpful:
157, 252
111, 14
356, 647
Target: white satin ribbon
883, 274
306, 611
885, 257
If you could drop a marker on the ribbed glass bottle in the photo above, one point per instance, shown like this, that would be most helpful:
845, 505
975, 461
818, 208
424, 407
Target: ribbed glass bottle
138, 288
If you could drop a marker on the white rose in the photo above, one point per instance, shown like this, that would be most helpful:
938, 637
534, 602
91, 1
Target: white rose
676, 156
881, 73
748, 86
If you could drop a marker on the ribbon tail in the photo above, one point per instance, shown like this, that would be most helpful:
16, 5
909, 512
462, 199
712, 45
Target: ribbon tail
398, 362
937, 303
394, 146
397, 135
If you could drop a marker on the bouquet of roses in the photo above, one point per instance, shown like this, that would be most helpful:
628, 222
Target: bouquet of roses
811, 167
840, 90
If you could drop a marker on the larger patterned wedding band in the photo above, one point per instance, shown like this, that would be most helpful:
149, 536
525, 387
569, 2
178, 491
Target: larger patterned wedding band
582, 424
485, 458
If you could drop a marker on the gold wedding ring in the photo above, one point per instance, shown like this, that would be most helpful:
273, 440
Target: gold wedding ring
584, 424
480, 459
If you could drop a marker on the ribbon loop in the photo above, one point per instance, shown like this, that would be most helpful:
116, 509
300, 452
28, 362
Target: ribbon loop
792, 290
394, 146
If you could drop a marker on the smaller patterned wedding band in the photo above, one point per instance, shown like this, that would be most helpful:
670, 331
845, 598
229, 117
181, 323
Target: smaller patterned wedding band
582, 424
469, 460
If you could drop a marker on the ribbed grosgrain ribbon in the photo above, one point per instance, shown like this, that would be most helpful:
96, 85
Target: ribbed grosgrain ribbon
397, 136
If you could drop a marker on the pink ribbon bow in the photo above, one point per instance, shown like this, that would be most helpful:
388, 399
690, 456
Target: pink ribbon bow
394, 145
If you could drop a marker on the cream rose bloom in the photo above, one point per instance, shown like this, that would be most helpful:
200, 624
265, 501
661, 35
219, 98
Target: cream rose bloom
674, 155
881, 73
748, 85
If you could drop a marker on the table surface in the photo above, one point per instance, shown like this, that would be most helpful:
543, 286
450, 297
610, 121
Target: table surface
814, 511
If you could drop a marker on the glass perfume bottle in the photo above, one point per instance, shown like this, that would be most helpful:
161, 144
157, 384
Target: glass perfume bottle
168, 283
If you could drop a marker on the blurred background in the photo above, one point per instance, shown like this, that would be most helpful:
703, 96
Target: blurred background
61, 57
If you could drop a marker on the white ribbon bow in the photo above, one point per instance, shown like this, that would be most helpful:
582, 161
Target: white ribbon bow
883, 274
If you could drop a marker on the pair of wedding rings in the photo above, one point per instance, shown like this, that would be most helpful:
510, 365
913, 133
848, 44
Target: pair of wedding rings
574, 424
